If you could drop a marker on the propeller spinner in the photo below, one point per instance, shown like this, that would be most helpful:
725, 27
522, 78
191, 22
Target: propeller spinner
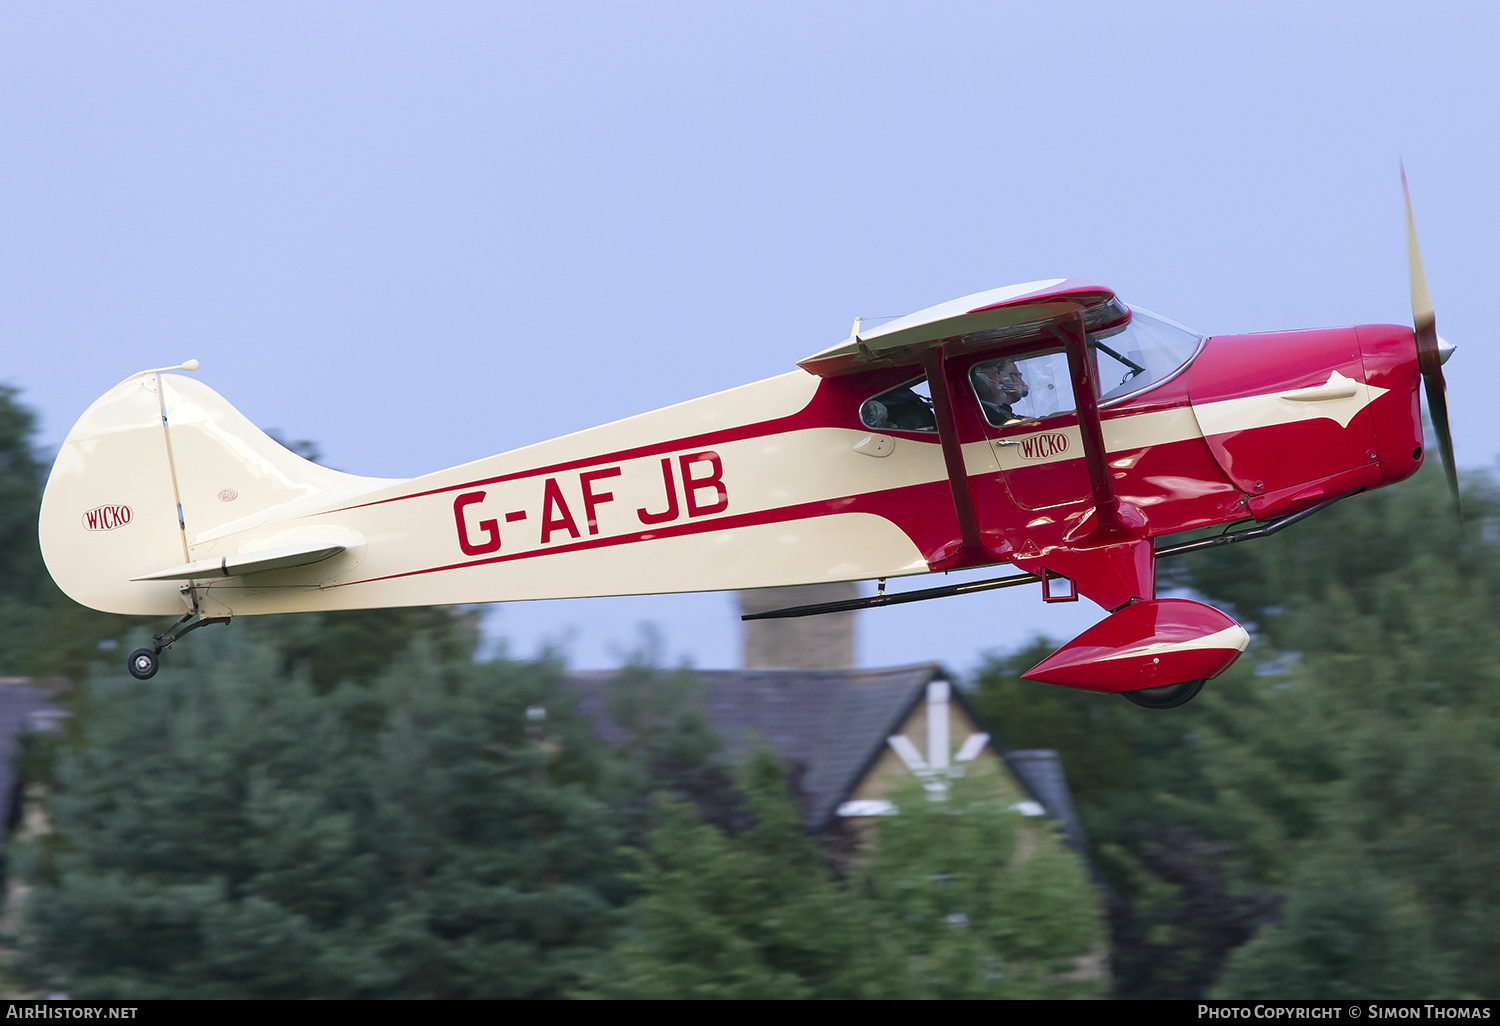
1431, 350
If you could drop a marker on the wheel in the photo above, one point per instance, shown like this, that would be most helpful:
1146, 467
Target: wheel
143, 664
1169, 696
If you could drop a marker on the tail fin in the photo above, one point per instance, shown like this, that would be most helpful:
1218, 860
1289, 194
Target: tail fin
157, 465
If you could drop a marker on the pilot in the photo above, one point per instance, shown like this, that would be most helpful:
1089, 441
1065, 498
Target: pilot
1000, 386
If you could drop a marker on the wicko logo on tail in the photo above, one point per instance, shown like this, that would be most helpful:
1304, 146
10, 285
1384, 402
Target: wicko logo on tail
106, 518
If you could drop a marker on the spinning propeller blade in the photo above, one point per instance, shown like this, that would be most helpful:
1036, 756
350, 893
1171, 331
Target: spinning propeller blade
1429, 354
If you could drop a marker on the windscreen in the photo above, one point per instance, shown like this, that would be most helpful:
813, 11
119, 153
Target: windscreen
1140, 352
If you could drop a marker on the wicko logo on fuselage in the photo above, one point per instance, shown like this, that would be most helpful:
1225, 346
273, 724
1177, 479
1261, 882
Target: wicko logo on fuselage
1044, 446
106, 518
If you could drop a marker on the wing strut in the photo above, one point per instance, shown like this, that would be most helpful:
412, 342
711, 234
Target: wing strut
1109, 523
953, 454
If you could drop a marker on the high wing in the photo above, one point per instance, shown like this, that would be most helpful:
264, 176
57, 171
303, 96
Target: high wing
1012, 313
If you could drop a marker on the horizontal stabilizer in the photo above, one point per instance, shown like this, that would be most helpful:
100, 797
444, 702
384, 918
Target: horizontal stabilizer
280, 557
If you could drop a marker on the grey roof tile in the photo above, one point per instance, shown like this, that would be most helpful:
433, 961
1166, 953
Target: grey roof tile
1041, 771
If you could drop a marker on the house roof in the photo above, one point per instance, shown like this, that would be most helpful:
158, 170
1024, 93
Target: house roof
828, 722
1041, 771
833, 724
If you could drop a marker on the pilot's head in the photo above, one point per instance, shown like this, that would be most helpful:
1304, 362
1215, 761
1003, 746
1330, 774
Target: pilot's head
1003, 381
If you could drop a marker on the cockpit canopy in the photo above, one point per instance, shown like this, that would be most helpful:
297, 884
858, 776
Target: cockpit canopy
1137, 350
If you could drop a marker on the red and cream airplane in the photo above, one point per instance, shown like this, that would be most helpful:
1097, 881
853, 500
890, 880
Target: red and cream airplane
1046, 425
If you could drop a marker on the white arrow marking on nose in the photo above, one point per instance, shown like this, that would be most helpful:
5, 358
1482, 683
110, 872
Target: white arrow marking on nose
1338, 400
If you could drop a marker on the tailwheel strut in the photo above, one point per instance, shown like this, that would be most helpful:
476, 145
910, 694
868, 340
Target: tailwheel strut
144, 662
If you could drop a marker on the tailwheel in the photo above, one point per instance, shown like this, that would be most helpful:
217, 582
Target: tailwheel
1169, 696
143, 664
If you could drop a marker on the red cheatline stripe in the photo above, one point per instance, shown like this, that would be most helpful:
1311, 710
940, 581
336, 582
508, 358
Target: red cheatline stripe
795, 421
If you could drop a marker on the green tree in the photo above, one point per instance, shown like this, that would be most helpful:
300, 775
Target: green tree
959, 898
669, 748
1345, 933
1362, 728
1178, 900
42, 631
976, 901
750, 916
1383, 736
227, 830
358, 645
20, 496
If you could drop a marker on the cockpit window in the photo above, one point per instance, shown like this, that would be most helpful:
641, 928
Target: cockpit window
1021, 388
1140, 352
906, 407
1037, 385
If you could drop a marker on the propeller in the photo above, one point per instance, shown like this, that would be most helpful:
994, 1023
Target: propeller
1431, 350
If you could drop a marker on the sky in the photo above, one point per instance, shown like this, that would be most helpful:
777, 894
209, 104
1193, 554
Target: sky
421, 234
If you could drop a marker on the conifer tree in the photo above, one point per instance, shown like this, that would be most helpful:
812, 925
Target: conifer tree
750, 916
1361, 731
961, 898
976, 901
226, 830
42, 631
1345, 933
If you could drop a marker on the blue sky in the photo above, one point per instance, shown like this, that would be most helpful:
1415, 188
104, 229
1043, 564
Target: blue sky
419, 234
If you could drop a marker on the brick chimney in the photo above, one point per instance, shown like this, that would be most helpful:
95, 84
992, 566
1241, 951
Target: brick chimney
822, 642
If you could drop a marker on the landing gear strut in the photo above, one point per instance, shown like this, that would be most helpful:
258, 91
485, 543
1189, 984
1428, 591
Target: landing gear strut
144, 662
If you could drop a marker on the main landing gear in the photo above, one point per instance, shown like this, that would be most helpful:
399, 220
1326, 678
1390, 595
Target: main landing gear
144, 662
1169, 696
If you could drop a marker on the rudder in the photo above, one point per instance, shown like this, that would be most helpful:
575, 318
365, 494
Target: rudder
157, 466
